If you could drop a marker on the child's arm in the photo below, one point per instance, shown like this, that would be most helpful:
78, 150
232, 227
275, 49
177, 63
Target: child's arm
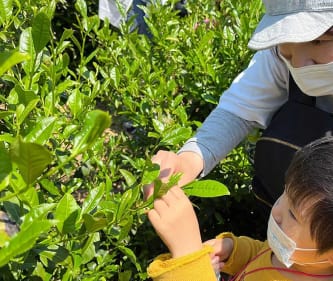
222, 249
175, 222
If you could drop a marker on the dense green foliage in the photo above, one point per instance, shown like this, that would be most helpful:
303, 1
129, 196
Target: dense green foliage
83, 107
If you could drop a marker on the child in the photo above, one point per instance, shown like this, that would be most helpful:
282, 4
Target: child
287, 84
299, 242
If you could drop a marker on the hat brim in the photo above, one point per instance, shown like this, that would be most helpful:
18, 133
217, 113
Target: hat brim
290, 28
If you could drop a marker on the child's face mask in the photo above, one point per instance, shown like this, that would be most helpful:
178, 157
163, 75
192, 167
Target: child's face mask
284, 247
314, 80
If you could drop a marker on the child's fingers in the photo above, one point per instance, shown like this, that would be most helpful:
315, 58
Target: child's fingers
153, 217
177, 192
160, 205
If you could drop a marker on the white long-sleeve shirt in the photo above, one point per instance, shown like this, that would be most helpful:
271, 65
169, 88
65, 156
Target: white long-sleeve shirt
116, 11
250, 102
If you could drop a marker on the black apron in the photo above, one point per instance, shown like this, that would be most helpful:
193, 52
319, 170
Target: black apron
295, 124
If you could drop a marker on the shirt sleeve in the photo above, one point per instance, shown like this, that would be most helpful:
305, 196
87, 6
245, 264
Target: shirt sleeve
217, 136
250, 102
109, 9
245, 248
193, 267
260, 90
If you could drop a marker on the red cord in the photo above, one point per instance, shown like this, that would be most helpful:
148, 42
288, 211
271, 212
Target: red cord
242, 274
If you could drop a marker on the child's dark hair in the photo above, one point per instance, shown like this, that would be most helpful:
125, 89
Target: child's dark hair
310, 177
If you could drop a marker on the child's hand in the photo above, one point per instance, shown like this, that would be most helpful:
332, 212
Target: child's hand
222, 250
175, 222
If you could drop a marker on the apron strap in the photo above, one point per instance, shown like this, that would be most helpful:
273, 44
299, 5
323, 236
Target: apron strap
296, 95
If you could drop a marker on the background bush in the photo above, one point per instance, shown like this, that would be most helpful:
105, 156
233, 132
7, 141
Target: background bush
84, 107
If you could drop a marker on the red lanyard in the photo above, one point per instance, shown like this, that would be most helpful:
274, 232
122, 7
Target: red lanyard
241, 275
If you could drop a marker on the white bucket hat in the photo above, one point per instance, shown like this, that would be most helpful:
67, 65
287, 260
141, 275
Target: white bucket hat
292, 21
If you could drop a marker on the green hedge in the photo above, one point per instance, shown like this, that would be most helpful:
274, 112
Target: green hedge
83, 107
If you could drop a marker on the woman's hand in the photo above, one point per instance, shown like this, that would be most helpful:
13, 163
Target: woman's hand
174, 220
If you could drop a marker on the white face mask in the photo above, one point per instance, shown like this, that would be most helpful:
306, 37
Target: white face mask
283, 246
314, 80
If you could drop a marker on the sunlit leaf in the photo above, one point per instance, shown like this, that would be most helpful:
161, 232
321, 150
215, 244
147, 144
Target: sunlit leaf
95, 123
94, 224
94, 197
5, 162
23, 241
38, 213
88, 251
10, 58
31, 159
42, 131
81, 7
176, 136
6, 7
128, 176
161, 188
206, 188
41, 31
150, 173
27, 46
67, 213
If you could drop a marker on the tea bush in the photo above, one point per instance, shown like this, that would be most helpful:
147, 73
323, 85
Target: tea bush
83, 108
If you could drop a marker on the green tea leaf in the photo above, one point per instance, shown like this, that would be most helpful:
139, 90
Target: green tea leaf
42, 131
94, 197
4, 114
206, 188
49, 186
150, 173
81, 7
25, 97
5, 162
176, 136
125, 275
94, 224
128, 176
125, 204
22, 111
125, 227
67, 213
31, 159
54, 253
158, 126
24, 240
77, 102
162, 188
6, 7
38, 213
26, 45
88, 251
95, 123
130, 254
10, 58
41, 31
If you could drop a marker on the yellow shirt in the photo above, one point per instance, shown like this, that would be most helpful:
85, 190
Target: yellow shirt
197, 266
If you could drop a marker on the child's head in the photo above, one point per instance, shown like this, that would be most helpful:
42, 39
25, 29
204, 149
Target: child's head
300, 228
309, 189
309, 185
292, 21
